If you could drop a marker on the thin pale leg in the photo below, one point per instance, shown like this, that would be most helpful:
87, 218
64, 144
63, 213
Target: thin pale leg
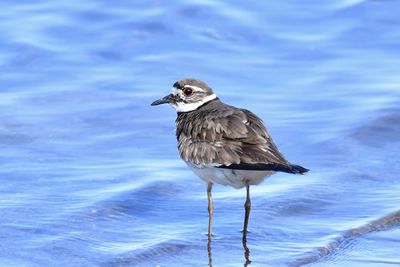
210, 209
247, 208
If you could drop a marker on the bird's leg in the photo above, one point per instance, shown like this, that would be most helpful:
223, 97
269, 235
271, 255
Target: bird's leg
247, 207
210, 209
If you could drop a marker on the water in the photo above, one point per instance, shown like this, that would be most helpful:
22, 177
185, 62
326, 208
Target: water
90, 175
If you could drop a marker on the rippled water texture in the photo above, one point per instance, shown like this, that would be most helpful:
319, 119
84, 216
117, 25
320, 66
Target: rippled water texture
90, 175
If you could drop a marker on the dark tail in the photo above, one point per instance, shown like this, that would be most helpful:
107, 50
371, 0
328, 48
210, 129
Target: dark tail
297, 169
289, 168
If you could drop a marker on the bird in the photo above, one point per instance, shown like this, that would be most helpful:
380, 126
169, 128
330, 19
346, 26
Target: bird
223, 144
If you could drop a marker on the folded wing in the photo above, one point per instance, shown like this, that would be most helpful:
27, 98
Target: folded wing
229, 137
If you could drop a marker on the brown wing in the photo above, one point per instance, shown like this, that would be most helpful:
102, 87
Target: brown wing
228, 137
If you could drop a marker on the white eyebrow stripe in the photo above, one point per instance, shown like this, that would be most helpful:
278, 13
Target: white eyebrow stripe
195, 88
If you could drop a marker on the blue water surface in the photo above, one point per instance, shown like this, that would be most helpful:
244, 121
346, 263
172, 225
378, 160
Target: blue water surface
90, 174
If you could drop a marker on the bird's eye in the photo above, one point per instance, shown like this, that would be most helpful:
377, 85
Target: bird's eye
188, 91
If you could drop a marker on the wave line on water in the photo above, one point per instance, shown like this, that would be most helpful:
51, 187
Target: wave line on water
387, 222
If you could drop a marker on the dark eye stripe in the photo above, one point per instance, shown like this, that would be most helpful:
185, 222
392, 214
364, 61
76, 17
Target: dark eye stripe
177, 85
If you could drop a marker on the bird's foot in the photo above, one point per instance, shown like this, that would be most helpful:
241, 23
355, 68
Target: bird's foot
212, 235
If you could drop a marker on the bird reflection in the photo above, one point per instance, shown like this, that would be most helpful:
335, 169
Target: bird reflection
245, 248
209, 251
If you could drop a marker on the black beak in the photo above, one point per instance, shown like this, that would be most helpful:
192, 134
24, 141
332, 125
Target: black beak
167, 99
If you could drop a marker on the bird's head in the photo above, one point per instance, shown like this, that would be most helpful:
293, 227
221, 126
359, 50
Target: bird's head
187, 95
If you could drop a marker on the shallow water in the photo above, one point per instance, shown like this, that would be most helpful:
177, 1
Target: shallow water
90, 175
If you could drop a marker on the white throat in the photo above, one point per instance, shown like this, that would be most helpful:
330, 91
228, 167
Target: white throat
184, 107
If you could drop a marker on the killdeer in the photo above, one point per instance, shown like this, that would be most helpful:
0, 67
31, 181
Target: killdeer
223, 144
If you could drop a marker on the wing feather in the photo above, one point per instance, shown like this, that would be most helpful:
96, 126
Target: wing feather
225, 136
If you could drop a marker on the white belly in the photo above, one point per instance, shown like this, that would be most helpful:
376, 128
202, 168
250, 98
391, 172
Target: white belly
234, 178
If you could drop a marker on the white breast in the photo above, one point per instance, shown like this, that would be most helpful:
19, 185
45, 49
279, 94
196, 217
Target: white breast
234, 178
